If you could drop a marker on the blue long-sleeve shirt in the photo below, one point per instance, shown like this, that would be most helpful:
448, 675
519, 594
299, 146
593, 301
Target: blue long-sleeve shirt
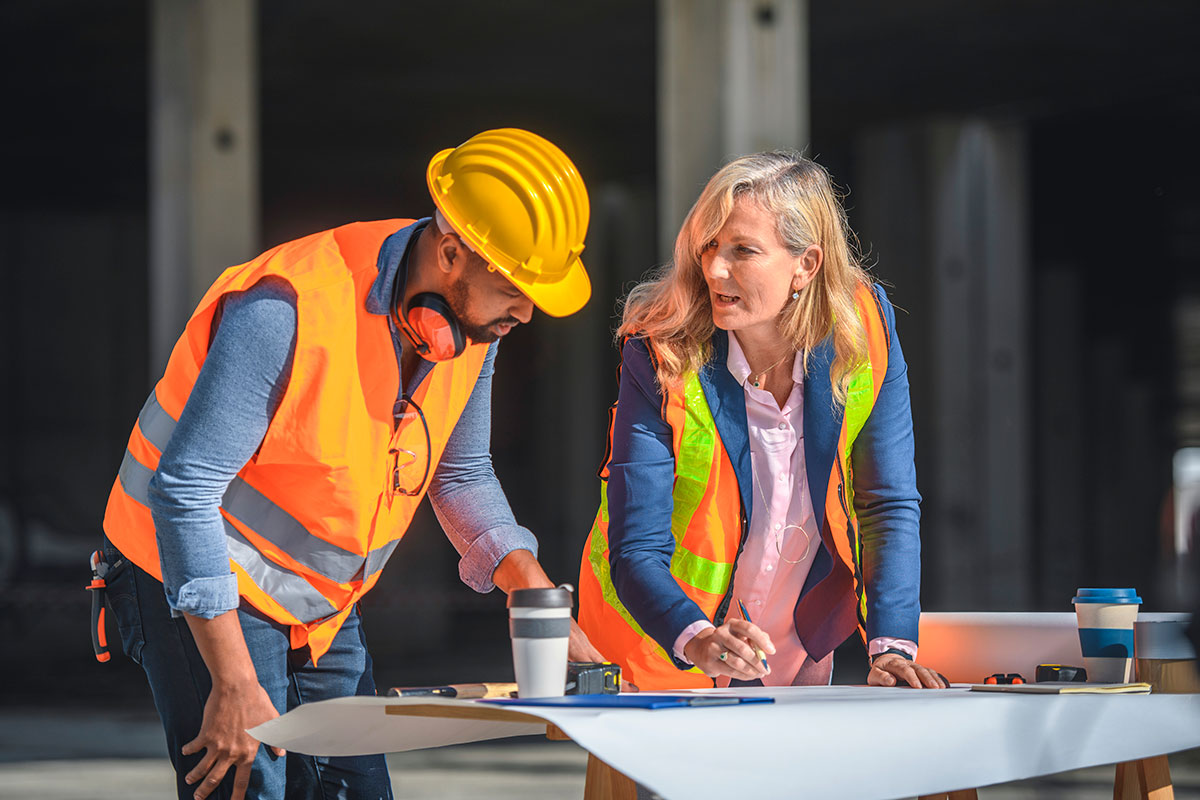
227, 415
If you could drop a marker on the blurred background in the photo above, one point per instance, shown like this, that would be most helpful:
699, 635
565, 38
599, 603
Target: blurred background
1022, 175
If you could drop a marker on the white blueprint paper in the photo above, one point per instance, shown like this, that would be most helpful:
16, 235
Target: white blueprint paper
811, 742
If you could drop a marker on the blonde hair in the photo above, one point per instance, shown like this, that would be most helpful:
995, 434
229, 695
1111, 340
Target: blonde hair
673, 310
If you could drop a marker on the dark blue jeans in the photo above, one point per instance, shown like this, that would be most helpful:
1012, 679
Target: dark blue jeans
180, 683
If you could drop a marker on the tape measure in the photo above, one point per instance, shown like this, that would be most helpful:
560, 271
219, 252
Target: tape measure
1060, 672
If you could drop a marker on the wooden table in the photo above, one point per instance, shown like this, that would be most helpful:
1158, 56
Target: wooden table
821, 741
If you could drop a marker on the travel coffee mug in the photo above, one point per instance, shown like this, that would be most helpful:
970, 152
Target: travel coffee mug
1105, 618
539, 622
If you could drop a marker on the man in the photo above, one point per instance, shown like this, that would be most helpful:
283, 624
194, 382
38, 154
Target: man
317, 393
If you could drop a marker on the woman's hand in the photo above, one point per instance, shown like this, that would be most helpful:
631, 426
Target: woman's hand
737, 640
891, 669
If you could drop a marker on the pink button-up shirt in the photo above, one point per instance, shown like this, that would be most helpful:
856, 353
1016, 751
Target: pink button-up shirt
783, 538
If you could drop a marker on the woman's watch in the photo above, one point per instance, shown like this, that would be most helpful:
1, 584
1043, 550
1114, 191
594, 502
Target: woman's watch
895, 650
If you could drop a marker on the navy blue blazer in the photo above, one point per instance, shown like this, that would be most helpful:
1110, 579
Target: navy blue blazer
886, 502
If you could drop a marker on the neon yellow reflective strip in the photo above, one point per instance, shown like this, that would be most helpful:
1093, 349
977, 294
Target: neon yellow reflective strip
860, 399
603, 574
700, 572
693, 464
694, 460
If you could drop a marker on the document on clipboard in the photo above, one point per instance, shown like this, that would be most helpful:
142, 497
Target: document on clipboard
634, 700
1063, 687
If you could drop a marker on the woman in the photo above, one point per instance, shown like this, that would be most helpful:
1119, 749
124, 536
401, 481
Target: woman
759, 497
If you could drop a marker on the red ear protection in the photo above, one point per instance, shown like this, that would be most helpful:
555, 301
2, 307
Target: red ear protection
432, 328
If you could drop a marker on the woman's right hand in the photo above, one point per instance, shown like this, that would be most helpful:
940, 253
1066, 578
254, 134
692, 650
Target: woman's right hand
737, 639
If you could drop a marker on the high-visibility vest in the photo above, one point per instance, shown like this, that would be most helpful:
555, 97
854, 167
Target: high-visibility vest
309, 520
708, 523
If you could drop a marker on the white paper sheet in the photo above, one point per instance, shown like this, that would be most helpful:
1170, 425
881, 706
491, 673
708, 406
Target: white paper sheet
827, 741
352, 726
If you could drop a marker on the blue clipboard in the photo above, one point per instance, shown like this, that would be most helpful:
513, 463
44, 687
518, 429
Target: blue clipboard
633, 700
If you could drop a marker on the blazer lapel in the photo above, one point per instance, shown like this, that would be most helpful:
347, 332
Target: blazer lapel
727, 401
822, 426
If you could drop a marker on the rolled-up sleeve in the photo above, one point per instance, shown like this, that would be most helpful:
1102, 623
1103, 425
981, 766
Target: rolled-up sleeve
886, 501
466, 495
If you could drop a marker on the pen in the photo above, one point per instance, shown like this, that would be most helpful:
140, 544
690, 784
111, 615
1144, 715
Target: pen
757, 650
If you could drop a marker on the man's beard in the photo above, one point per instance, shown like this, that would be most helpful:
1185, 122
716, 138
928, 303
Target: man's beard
476, 332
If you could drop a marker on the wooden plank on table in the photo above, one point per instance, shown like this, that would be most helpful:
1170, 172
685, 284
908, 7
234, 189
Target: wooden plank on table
487, 713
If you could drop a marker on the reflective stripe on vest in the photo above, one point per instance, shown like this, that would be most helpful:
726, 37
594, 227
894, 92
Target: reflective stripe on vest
598, 557
289, 589
697, 446
264, 517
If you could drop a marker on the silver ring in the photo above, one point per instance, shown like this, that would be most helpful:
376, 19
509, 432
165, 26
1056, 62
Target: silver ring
724, 655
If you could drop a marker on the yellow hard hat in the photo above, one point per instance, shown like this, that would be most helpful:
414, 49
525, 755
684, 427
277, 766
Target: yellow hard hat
518, 201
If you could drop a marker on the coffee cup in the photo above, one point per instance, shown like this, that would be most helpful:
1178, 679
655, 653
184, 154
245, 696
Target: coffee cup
1105, 618
539, 622
1165, 656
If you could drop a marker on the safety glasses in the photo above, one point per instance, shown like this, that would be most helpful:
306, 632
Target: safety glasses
406, 456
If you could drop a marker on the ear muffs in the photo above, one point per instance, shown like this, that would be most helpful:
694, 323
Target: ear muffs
432, 328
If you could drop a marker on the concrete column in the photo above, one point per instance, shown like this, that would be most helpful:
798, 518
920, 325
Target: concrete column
980, 254
943, 210
733, 79
204, 199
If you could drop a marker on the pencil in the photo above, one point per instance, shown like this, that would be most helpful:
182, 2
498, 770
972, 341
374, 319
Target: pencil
758, 651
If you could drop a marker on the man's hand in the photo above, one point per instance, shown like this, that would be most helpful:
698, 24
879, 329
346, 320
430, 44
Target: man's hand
520, 570
236, 702
229, 711
890, 669
737, 640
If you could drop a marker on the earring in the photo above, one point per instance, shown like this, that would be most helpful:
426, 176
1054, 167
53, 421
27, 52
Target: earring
796, 294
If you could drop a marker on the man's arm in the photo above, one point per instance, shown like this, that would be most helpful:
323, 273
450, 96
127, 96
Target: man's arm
221, 426
476, 516
224, 421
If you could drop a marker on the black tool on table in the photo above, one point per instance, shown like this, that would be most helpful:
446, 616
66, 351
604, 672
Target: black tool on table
1060, 673
593, 677
1004, 678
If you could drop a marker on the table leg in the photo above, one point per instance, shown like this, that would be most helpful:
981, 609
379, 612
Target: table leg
1154, 779
605, 783
1145, 779
1125, 783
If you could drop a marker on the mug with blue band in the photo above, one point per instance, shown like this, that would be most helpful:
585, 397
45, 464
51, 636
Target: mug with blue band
1105, 618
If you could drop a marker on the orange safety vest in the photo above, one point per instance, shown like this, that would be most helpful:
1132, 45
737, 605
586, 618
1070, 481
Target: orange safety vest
308, 520
708, 523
